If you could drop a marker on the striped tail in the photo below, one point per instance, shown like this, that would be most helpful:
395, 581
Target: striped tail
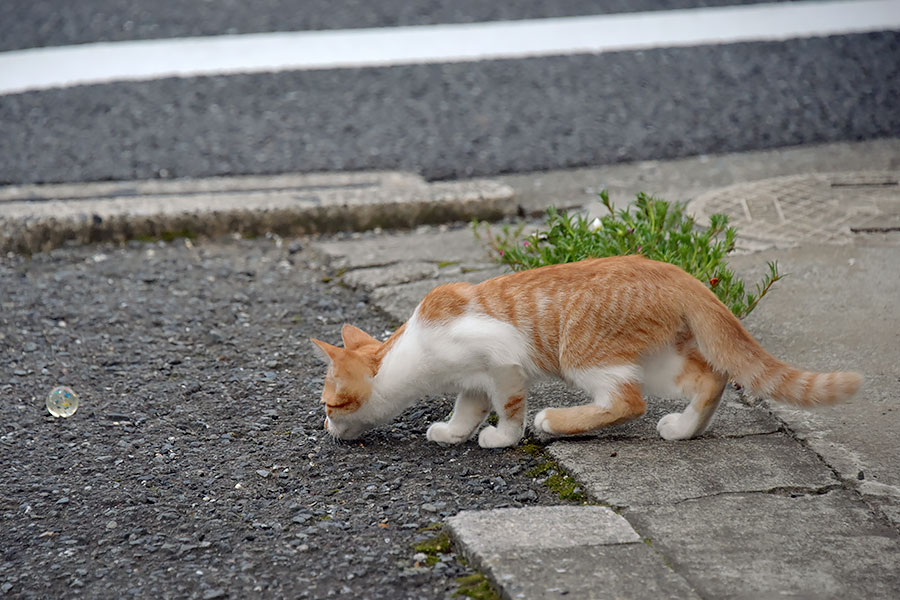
729, 348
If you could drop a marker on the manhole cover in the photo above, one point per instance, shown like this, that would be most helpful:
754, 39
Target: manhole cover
824, 207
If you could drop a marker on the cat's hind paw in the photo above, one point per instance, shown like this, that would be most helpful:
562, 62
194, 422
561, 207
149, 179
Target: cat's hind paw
491, 437
542, 422
443, 433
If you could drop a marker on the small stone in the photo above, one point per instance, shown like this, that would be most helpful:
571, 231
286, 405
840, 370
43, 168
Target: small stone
420, 557
112, 525
63, 500
860, 475
263, 473
526, 495
213, 594
429, 507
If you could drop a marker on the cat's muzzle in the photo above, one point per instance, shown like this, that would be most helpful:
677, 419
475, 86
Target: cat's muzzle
342, 431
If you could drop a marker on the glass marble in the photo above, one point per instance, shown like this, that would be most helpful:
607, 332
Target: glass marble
62, 401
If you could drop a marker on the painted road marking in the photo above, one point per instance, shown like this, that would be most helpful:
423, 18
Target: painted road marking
43, 68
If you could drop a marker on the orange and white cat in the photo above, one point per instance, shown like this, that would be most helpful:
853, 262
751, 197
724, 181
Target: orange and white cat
618, 328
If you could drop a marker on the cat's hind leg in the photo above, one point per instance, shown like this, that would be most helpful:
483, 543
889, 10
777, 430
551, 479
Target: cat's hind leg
469, 411
508, 399
627, 404
704, 386
617, 398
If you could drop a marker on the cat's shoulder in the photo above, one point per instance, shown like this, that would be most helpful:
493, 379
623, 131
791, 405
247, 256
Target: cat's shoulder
445, 302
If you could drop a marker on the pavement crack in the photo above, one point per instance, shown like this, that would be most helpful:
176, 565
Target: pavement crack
787, 491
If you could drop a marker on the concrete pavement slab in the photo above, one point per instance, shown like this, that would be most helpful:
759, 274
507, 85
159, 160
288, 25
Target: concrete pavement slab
775, 546
838, 309
564, 551
400, 268
624, 572
636, 473
496, 531
399, 301
425, 244
372, 278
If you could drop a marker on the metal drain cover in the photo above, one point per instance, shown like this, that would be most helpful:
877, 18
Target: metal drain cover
822, 207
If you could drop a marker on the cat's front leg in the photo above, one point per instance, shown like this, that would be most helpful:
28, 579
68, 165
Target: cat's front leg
510, 424
469, 411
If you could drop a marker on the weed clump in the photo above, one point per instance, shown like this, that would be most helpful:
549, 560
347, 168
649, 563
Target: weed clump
475, 586
653, 228
433, 547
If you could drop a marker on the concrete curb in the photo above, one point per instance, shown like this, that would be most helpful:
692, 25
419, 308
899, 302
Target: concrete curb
41, 217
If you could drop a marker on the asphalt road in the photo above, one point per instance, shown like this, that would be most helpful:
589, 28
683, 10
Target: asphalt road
443, 120
34, 23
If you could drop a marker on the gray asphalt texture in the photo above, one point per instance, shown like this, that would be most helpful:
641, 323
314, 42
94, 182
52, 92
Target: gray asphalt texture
196, 465
462, 120
36, 23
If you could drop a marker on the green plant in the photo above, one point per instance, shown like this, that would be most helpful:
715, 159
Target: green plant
475, 586
551, 474
558, 481
434, 546
652, 227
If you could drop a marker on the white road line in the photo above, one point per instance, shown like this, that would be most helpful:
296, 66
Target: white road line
42, 68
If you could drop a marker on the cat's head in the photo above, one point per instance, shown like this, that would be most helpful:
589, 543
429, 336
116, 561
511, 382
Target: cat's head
347, 396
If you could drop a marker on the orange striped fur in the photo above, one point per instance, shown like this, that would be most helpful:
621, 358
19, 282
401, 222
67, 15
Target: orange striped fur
616, 327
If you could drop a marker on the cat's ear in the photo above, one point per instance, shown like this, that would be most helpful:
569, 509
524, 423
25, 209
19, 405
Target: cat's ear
325, 351
354, 337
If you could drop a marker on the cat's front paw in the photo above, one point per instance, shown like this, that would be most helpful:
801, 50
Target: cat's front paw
491, 437
672, 427
443, 434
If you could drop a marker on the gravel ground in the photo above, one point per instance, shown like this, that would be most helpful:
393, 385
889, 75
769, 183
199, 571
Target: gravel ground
197, 465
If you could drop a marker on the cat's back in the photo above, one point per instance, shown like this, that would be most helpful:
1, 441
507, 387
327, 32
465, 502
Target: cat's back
538, 293
625, 273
